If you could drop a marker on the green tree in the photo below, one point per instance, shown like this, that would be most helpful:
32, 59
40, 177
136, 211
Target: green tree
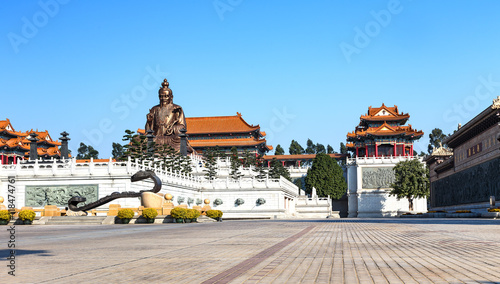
235, 164
248, 159
295, 148
260, 169
343, 148
87, 152
279, 150
277, 169
117, 151
326, 176
210, 156
320, 149
329, 149
436, 138
411, 181
311, 147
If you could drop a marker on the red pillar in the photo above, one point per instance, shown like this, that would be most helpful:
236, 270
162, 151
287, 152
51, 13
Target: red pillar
299, 163
283, 163
15, 160
2, 159
376, 150
366, 154
395, 149
357, 152
268, 164
411, 150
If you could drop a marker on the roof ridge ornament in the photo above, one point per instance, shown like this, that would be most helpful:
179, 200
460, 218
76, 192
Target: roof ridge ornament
496, 103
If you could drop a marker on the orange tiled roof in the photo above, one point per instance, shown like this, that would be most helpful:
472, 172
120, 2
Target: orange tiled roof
386, 130
388, 114
228, 142
6, 126
219, 124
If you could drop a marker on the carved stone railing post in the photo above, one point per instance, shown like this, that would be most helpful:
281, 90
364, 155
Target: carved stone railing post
91, 166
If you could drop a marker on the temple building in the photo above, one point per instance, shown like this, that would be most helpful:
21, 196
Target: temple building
381, 132
466, 175
380, 141
226, 132
15, 145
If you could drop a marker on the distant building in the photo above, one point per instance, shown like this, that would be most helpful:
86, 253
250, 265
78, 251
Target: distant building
467, 176
15, 145
225, 132
380, 141
381, 133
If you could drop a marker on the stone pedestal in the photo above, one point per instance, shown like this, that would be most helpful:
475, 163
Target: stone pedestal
166, 208
152, 200
113, 209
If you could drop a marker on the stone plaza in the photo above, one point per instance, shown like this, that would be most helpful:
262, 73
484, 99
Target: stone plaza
265, 251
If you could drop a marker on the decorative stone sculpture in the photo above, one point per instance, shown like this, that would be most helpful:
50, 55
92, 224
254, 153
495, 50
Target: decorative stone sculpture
239, 201
218, 202
261, 201
168, 197
166, 120
180, 199
198, 201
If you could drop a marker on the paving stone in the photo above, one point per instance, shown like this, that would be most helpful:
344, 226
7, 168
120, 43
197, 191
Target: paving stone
265, 251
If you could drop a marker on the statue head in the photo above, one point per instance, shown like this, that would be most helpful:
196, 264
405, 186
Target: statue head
165, 94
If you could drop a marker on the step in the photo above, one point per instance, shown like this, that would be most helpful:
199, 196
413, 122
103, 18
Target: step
75, 220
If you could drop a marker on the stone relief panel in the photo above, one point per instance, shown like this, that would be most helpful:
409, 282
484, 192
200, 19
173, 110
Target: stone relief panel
39, 196
473, 185
376, 178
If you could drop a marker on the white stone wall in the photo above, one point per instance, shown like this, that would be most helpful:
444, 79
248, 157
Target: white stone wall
112, 177
369, 203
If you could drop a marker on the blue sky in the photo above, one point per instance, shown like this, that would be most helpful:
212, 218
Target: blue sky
299, 69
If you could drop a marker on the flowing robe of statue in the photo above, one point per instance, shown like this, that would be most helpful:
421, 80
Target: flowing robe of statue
166, 120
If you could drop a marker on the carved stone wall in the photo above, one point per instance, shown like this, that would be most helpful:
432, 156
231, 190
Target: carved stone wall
37, 196
473, 185
376, 178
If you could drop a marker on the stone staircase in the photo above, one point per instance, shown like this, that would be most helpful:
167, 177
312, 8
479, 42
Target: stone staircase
315, 207
75, 220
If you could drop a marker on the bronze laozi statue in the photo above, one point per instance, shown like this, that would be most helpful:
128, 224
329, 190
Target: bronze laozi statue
167, 120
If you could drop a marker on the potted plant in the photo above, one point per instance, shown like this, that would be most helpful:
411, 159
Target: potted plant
27, 216
192, 215
4, 217
150, 214
125, 215
179, 214
219, 215
215, 214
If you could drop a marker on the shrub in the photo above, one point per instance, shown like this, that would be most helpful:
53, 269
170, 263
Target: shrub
212, 213
179, 213
192, 214
27, 215
4, 215
149, 213
125, 214
219, 213
463, 211
489, 210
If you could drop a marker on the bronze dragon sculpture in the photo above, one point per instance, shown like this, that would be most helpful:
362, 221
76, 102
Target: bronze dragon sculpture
140, 175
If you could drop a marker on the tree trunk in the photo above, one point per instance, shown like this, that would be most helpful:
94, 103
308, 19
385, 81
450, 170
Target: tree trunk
410, 202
